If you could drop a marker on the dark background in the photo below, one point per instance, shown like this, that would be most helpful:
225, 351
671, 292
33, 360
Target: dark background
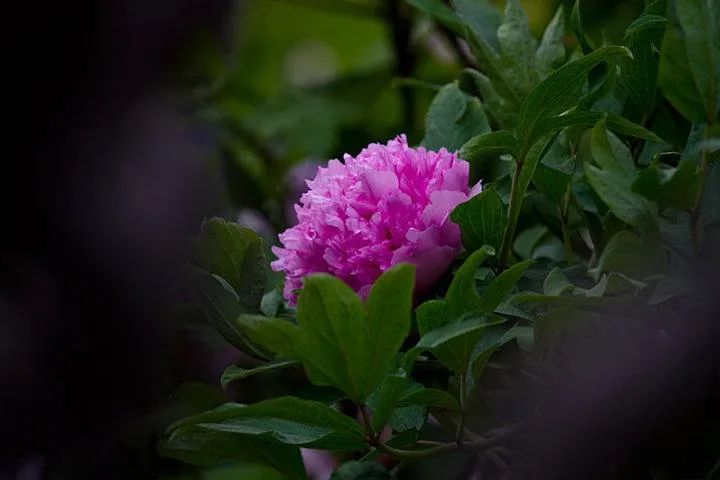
110, 169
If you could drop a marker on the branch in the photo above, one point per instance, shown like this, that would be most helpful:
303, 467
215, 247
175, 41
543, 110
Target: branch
475, 445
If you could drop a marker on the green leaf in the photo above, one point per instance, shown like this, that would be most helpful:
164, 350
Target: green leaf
454, 118
384, 400
610, 153
482, 220
490, 143
559, 92
387, 322
462, 296
638, 81
632, 256
220, 305
501, 287
625, 204
669, 186
517, 47
453, 343
236, 254
340, 341
482, 17
588, 119
491, 64
689, 72
430, 397
286, 420
585, 42
437, 10
368, 470
553, 180
233, 373
613, 180
202, 447
551, 51
556, 283
500, 109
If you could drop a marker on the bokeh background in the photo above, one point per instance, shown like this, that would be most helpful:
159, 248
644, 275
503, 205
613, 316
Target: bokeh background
130, 122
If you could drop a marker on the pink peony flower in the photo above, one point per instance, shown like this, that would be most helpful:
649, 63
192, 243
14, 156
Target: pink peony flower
388, 205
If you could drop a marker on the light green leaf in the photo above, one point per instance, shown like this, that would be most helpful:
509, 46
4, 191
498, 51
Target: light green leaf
454, 118
482, 220
287, 420
482, 17
233, 373
551, 51
517, 47
500, 109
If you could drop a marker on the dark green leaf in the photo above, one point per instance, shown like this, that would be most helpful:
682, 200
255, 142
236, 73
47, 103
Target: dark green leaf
517, 47
387, 321
453, 343
576, 22
361, 471
234, 373
559, 92
551, 51
490, 143
454, 118
556, 283
236, 254
501, 287
670, 186
689, 72
340, 341
202, 447
430, 397
220, 304
482, 220
286, 420
386, 398
632, 256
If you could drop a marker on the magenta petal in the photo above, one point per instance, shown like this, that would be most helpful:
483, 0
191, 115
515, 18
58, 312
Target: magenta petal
389, 204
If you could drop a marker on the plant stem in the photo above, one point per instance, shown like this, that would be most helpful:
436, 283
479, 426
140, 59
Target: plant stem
461, 421
569, 257
443, 448
513, 213
369, 430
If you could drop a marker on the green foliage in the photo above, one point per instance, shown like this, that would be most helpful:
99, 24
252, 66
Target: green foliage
340, 341
600, 186
453, 119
